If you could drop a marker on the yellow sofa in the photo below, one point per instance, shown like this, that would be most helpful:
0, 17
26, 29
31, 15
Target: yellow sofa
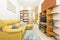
8, 33
29, 26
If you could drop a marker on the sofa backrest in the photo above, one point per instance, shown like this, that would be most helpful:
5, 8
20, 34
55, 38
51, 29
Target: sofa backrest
8, 22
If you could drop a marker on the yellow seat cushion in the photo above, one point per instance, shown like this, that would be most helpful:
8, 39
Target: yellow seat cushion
29, 26
9, 29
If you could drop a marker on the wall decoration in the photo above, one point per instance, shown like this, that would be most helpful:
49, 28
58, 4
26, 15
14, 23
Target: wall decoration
11, 6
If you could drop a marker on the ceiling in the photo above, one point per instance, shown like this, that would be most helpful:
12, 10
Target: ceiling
30, 4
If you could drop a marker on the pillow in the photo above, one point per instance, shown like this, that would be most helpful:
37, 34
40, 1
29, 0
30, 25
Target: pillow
14, 26
21, 23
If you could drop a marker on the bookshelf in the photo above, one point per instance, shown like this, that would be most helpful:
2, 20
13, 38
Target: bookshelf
51, 19
24, 16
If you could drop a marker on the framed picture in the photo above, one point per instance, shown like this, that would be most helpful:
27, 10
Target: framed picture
11, 6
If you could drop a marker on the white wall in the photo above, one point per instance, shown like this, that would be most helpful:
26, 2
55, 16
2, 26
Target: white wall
57, 2
39, 5
39, 9
6, 14
57, 21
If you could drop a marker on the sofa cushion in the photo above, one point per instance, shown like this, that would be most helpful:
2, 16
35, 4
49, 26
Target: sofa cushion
21, 23
14, 26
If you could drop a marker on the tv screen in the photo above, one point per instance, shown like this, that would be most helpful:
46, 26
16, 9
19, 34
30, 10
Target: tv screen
43, 19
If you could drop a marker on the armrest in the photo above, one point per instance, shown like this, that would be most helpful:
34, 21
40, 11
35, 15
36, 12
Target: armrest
9, 29
6, 29
12, 30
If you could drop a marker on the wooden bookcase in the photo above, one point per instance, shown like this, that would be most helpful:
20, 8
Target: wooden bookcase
24, 16
50, 23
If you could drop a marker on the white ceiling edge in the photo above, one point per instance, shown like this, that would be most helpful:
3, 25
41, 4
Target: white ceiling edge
28, 4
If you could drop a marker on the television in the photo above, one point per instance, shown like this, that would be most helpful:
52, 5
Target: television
43, 19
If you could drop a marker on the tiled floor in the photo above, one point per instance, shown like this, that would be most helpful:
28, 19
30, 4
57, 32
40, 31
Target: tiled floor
35, 34
31, 35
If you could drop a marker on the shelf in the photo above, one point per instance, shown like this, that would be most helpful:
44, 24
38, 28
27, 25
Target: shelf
21, 14
50, 28
21, 19
48, 35
25, 17
55, 20
25, 20
24, 13
50, 14
43, 23
54, 27
54, 13
52, 33
50, 19
51, 25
